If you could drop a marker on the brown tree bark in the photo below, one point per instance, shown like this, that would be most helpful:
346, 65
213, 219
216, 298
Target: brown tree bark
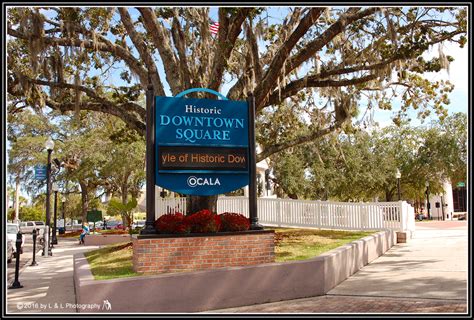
196, 203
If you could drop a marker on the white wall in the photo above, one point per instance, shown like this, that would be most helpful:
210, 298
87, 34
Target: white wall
447, 201
448, 198
436, 213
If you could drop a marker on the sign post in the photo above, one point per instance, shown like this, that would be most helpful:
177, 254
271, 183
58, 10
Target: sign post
150, 162
202, 147
254, 225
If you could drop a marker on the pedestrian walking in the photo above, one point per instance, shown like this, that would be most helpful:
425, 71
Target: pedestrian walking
85, 231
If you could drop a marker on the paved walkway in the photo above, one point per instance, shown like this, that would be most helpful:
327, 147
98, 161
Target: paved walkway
427, 274
49, 286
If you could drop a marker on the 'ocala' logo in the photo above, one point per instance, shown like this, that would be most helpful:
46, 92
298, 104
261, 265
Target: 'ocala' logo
194, 181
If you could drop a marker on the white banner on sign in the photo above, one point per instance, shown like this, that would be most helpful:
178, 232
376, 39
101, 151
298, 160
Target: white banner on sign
60, 223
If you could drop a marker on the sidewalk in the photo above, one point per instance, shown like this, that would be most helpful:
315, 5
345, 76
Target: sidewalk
426, 275
49, 286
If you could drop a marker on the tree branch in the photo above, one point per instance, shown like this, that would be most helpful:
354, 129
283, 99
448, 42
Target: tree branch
205, 49
180, 43
313, 82
117, 111
352, 15
103, 45
256, 66
129, 106
254, 51
274, 69
277, 147
132, 114
228, 33
142, 49
318, 80
161, 40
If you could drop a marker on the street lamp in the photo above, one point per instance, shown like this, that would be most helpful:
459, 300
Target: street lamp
55, 189
64, 219
398, 175
427, 185
49, 145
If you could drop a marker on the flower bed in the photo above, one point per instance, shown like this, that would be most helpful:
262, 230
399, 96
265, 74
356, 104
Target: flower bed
203, 221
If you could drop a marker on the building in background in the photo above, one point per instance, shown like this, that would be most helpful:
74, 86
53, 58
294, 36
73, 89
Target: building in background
449, 205
460, 199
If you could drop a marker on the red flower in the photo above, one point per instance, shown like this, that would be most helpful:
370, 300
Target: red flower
171, 223
203, 221
234, 222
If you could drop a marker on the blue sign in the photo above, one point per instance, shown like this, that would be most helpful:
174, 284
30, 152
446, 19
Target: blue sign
40, 172
201, 145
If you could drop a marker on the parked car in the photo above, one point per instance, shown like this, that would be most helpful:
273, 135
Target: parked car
98, 225
29, 226
138, 224
12, 230
74, 226
10, 251
113, 225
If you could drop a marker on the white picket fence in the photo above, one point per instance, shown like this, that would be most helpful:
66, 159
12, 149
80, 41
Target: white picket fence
315, 214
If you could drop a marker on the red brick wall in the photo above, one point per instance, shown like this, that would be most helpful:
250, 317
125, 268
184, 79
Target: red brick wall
159, 255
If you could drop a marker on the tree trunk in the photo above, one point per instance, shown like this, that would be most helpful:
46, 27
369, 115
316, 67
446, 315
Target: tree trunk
84, 200
196, 203
124, 193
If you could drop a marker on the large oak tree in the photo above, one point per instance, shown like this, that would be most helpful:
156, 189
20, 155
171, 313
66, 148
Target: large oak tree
325, 59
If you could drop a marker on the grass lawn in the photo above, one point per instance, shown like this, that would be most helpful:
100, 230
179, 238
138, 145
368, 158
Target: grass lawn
300, 244
110, 262
115, 261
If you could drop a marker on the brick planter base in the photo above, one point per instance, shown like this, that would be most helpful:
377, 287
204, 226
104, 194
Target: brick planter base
171, 253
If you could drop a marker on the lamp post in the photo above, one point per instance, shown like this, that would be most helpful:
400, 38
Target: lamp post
64, 218
427, 185
398, 175
55, 189
49, 145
